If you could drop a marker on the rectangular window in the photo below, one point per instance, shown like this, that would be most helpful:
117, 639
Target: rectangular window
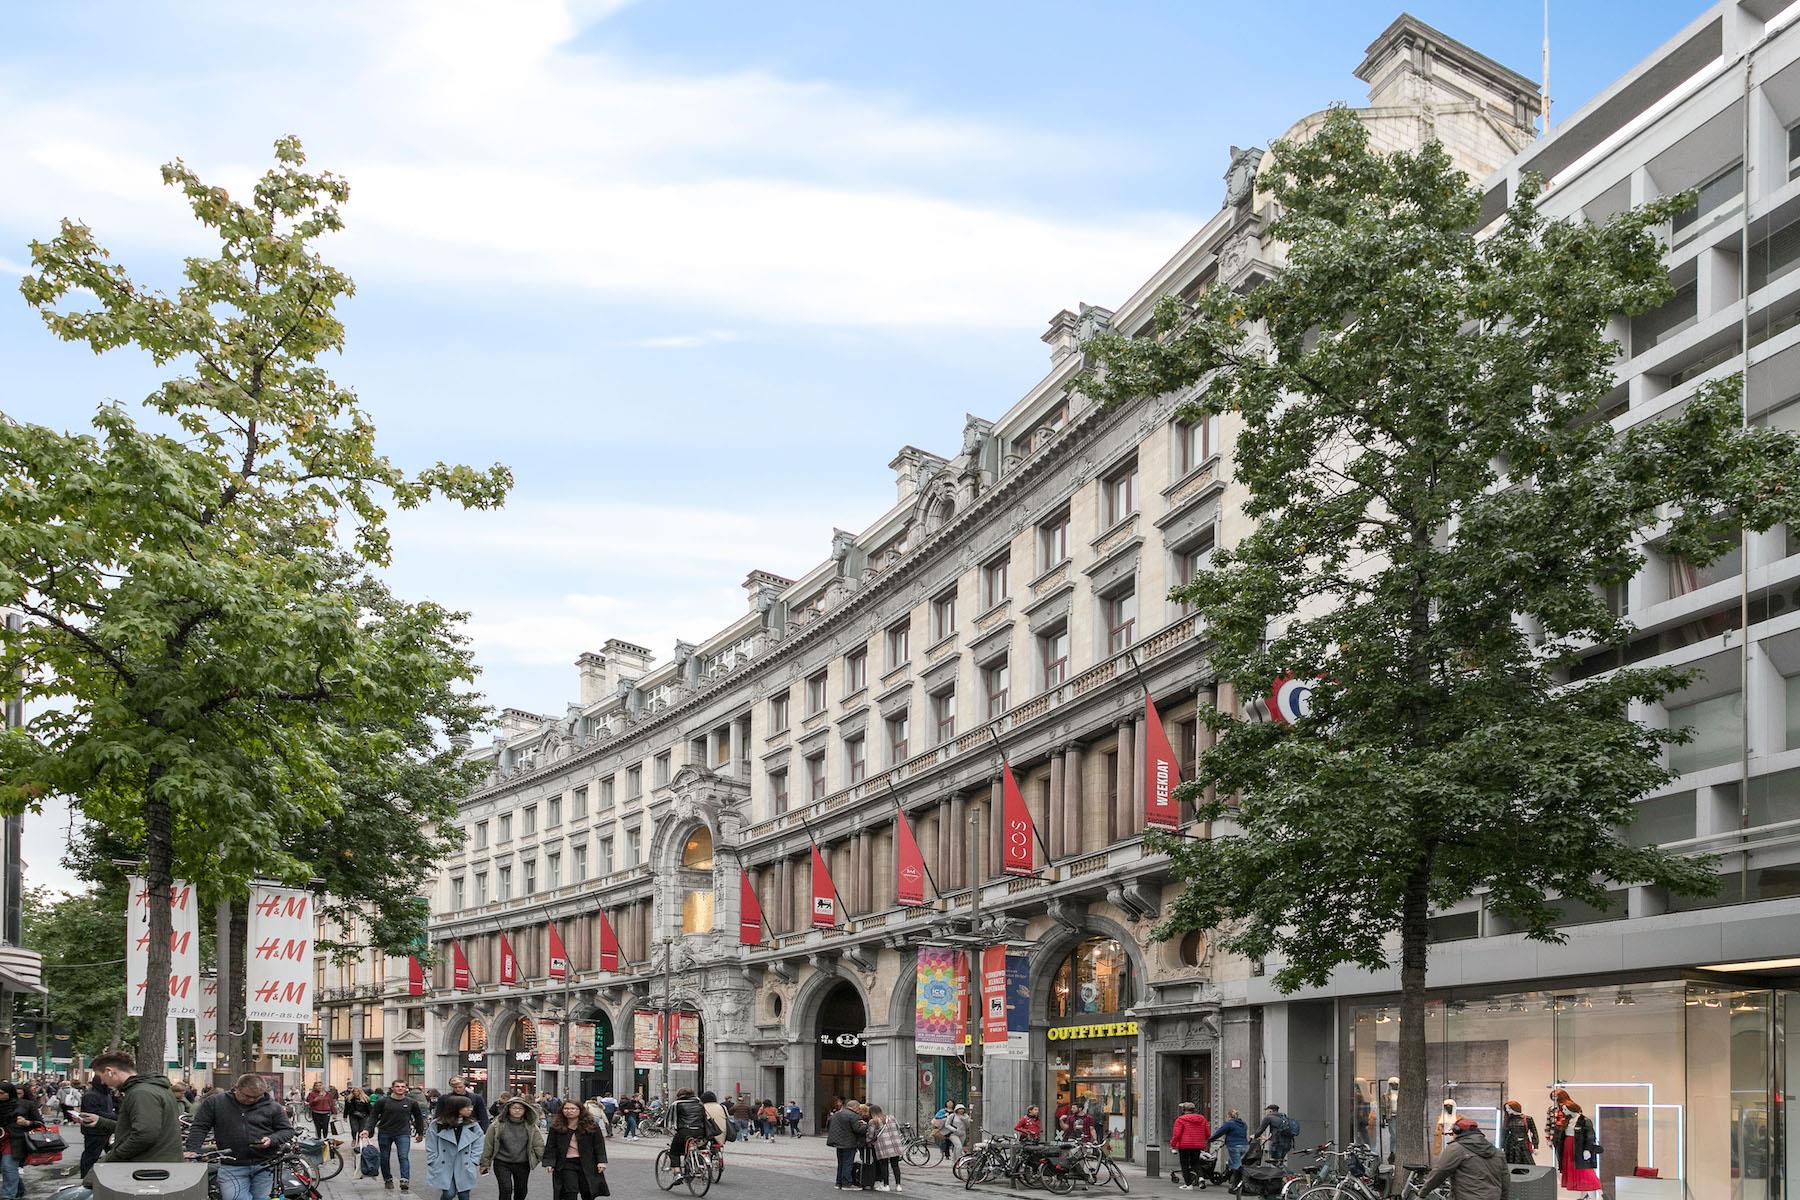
530, 820
606, 794
1794, 153
578, 809
662, 769
1715, 194
1188, 564
856, 758
1120, 614
553, 871
856, 671
815, 778
579, 864
778, 713
815, 694
1665, 321
530, 877
458, 893
943, 715
995, 582
553, 812
634, 845
1195, 442
1718, 733
1053, 657
1118, 495
1685, 577
898, 730
899, 645
943, 616
778, 792
606, 857
481, 888
634, 782
505, 828
481, 840
505, 885
1053, 541
996, 682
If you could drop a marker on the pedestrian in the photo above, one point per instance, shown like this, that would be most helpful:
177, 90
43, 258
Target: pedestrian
688, 1122
767, 1116
320, 1103
956, 1131
146, 1126
356, 1111
576, 1155
742, 1113
453, 1152
247, 1124
844, 1134
13, 1124
794, 1116
1076, 1125
398, 1123
71, 1097
887, 1145
1472, 1165
513, 1147
1278, 1131
99, 1101
1188, 1138
610, 1106
1030, 1127
630, 1108
460, 1087
718, 1120
1518, 1135
1236, 1136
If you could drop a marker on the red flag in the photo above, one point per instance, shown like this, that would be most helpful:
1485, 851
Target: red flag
459, 968
1161, 772
559, 957
909, 864
609, 945
1017, 828
750, 918
415, 977
824, 895
509, 965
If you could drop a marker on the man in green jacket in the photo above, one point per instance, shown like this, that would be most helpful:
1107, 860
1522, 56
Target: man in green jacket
148, 1127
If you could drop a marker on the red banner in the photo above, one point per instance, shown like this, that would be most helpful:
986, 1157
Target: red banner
1017, 830
459, 968
824, 895
559, 957
750, 918
909, 864
609, 945
1162, 772
993, 996
509, 964
415, 977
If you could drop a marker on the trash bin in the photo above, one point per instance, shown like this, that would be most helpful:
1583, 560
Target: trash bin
118, 1181
1532, 1183
1152, 1161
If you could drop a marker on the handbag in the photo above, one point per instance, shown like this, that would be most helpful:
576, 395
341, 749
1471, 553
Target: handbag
44, 1141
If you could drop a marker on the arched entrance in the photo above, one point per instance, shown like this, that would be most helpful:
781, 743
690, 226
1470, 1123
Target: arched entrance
597, 1080
1093, 1039
843, 1071
471, 1056
521, 1057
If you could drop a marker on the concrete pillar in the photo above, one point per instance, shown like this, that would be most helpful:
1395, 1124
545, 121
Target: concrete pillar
1121, 816
1054, 825
959, 843
738, 766
992, 827
1139, 733
1073, 840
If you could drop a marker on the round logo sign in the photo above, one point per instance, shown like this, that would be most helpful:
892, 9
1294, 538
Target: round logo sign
1290, 699
937, 993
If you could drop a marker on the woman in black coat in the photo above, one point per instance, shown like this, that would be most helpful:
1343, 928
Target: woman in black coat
575, 1154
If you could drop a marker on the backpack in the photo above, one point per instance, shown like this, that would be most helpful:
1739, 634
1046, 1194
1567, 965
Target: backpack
369, 1159
1289, 1127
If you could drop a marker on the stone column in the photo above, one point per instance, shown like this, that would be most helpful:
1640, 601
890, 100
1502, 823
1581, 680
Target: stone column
959, 843
1074, 841
925, 828
840, 869
784, 895
1203, 734
882, 869
996, 808
739, 767
1054, 825
1121, 818
946, 847
1140, 732
859, 871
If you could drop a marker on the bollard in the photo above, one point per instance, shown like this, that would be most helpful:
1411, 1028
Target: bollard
1152, 1162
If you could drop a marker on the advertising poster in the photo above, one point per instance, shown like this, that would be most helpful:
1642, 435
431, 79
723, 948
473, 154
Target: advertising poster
937, 1013
646, 1037
278, 976
581, 1046
685, 1034
281, 1038
1018, 1006
549, 1043
993, 1001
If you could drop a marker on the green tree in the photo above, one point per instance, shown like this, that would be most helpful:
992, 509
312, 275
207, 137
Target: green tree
82, 939
203, 671
1437, 511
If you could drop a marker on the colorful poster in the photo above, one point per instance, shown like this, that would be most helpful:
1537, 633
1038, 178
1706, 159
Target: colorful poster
459, 969
937, 1012
1161, 772
184, 948
1017, 830
280, 1037
1018, 1006
278, 977
549, 1043
909, 864
646, 1038
609, 945
750, 916
509, 964
581, 1046
824, 893
559, 957
993, 1000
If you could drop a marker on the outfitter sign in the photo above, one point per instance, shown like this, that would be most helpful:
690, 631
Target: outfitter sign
1075, 1033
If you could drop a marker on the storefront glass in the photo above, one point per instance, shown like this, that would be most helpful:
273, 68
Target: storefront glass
1677, 1076
1099, 1080
1096, 978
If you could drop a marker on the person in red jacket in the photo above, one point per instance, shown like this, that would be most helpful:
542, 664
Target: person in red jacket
1188, 1138
1030, 1127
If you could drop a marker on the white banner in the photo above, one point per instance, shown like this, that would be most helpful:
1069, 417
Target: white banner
281, 1037
184, 948
172, 1044
278, 981
206, 1029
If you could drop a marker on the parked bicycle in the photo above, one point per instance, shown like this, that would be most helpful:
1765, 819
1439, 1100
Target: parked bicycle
917, 1148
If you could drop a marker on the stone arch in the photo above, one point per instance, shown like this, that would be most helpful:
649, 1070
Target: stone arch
459, 1025
505, 1022
935, 507
671, 835
803, 1013
1060, 942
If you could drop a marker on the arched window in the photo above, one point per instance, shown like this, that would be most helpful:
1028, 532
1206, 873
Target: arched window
1096, 978
697, 854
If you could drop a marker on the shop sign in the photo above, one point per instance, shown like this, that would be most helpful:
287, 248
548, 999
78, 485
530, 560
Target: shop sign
848, 1041
1075, 1033
314, 1047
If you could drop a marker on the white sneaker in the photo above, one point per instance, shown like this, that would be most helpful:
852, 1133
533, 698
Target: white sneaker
880, 1187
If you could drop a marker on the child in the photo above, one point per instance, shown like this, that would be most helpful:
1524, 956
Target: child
886, 1144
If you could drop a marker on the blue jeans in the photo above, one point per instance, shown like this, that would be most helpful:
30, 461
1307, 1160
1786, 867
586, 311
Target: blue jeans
9, 1176
1234, 1154
245, 1181
631, 1120
402, 1144
846, 1156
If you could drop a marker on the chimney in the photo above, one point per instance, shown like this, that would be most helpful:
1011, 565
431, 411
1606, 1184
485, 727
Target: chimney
1060, 337
592, 670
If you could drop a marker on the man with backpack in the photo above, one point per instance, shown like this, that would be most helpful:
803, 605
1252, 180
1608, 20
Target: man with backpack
1278, 1131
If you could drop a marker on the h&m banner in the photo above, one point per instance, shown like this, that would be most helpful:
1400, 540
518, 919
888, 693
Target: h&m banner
646, 1037
206, 1029
184, 948
278, 976
281, 1038
937, 1011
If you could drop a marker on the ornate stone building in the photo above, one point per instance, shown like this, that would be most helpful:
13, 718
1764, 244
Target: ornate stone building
1011, 598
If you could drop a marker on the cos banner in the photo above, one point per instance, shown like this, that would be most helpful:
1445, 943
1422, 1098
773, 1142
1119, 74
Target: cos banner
278, 975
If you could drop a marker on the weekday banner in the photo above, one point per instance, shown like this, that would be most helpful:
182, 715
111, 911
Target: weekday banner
1161, 772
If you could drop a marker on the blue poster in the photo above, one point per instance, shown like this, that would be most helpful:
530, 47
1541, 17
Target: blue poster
1018, 1006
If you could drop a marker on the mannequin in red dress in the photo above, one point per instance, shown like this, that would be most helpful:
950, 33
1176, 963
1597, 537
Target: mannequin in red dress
1571, 1135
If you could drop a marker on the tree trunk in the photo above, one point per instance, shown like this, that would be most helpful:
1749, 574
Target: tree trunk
1409, 1134
118, 1029
240, 985
159, 878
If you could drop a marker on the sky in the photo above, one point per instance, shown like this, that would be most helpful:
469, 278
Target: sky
693, 269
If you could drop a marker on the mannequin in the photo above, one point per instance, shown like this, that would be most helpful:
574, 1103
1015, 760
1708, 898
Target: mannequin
1571, 1137
1446, 1122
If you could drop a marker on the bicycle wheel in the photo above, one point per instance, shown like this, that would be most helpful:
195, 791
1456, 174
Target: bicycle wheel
960, 1168
333, 1164
716, 1160
668, 1173
1117, 1176
1057, 1183
699, 1175
918, 1154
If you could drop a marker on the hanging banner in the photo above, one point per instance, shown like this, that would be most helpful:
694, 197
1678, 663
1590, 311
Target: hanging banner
415, 976
609, 945
1018, 1006
315, 1052
206, 1029
278, 976
646, 1037
1017, 830
993, 999
750, 918
280, 1037
172, 1044
459, 968
581, 1046
909, 864
184, 948
509, 964
824, 893
1161, 772
549, 1043
937, 1010
684, 1037
559, 957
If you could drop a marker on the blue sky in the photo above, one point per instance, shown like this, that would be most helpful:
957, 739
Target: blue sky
694, 270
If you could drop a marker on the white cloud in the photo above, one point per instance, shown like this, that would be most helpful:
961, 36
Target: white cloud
682, 341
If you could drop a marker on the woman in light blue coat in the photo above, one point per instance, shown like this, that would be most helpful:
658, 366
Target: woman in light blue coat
453, 1149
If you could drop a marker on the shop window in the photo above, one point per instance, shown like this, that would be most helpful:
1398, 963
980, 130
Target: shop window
1717, 725
1096, 978
697, 854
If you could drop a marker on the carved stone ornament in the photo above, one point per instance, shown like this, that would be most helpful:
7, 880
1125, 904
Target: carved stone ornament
1083, 469
1234, 258
1240, 176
